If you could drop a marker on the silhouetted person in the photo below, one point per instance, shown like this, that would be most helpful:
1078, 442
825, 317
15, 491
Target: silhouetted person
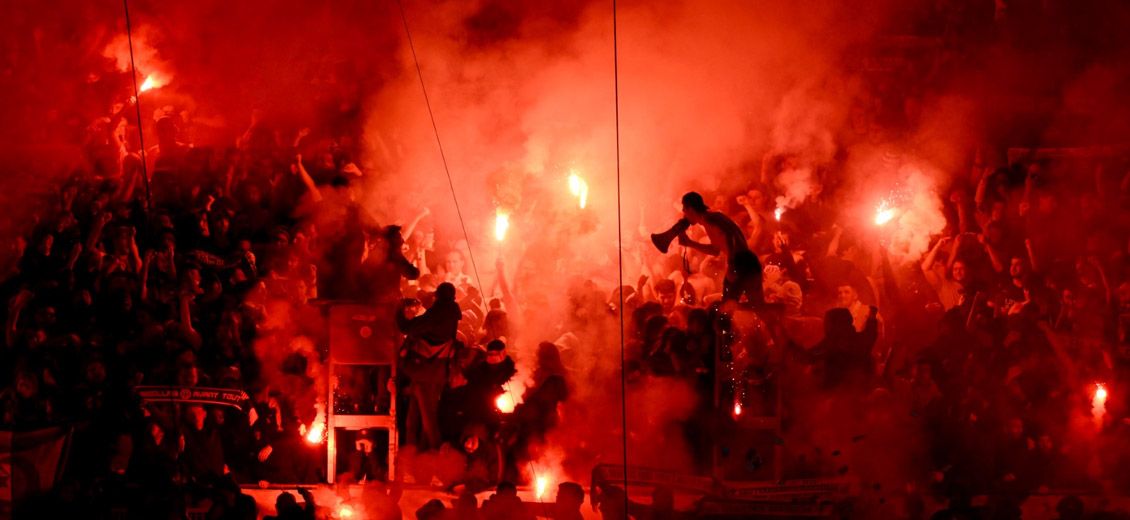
570, 497
504, 504
432, 510
743, 269
287, 508
846, 353
428, 347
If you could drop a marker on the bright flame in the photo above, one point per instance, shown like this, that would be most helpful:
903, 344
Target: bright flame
1098, 405
505, 403
316, 433
579, 188
152, 81
884, 213
501, 225
344, 511
737, 409
541, 485
777, 213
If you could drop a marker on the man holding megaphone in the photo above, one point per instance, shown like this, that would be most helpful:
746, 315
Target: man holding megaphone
743, 269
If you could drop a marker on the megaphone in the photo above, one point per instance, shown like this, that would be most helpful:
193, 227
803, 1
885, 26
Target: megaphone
663, 240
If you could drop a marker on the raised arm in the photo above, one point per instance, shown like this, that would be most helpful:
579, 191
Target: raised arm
146, 265
411, 227
954, 250
307, 180
15, 307
932, 255
95, 235
994, 257
298, 137
834, 244
964, 219
755, 220
1032, 261
982, 188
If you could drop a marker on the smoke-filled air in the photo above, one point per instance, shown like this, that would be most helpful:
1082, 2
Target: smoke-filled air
506, 260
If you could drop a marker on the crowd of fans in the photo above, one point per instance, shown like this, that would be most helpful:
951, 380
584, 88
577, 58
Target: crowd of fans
987, 351
1027, 290
205, 277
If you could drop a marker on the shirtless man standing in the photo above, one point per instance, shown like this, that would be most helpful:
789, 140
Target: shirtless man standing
743, 269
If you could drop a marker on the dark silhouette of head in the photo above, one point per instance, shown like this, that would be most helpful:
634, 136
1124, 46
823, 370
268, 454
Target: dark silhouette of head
693, 200
570, 495
285, 503
445, 292
838, 323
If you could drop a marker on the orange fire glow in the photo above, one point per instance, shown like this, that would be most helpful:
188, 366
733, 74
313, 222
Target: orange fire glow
884, 213
579, 188
737, 409
501, 225
777, 213
541, 485
316, 433
505, 403
153, 81
1098, 405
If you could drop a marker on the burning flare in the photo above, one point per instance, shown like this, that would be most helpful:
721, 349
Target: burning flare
501, 225
344, 511
884, 213
737, 409
316, 434
541, 485
152, 81
1098, 405
579, 188
505, 403
778, 212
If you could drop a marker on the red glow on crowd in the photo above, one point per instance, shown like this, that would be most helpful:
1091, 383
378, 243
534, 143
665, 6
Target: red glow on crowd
304, 226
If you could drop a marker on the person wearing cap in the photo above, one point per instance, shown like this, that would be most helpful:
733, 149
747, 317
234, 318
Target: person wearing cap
743, 269
485, 380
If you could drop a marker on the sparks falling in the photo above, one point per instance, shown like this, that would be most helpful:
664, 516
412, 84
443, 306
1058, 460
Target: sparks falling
579, 188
